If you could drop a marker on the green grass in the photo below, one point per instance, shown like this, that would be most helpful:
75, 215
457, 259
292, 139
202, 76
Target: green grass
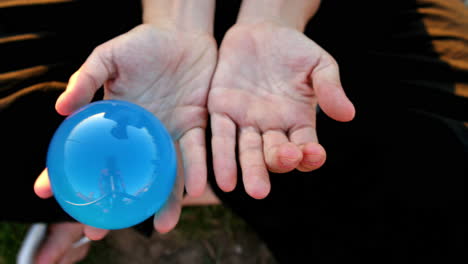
11, 237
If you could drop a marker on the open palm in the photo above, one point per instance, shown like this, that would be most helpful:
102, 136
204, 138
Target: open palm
166, 71
268, 82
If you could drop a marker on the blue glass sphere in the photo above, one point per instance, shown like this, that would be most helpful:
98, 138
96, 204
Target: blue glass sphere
112, 164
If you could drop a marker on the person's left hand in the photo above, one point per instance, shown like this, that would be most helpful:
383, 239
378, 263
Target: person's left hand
268, 82
168, 72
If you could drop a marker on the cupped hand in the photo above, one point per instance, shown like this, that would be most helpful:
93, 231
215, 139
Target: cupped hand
168, 72
263, 101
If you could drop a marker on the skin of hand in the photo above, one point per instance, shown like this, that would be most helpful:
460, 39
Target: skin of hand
168, 72
268, 82
58, 245
165, 65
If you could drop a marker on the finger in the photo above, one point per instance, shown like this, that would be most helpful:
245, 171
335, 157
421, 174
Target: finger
76, 254
95, 233
223, 143
280, 155
42, 185
207, 198
193, 149
314, 157
59, 240
313, 154
167, 218
254, 172
84, 83
330, 94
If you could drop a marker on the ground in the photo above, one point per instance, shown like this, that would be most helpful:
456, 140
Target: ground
204, 235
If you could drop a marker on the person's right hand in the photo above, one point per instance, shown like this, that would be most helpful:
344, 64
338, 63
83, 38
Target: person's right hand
168, 72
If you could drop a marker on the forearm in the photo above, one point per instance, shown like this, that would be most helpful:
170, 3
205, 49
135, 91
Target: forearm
190, 15
291, 13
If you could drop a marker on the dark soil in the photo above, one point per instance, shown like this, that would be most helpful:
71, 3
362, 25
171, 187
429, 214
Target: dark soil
204, 235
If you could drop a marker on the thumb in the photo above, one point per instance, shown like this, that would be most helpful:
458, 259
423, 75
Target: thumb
84, 83
42, 185
330, 94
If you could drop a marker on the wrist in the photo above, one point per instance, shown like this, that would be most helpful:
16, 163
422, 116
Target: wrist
185, 15
290, 13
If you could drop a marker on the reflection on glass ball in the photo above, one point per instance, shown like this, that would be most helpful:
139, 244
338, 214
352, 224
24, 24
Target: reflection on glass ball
112, 164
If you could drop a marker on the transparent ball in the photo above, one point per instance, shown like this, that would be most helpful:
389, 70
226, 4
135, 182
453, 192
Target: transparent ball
112, 164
